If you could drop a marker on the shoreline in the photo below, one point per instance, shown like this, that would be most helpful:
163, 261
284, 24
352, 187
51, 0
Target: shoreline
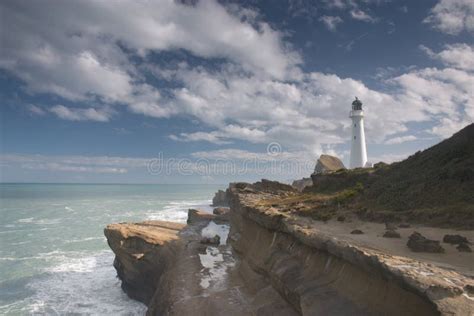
294, 258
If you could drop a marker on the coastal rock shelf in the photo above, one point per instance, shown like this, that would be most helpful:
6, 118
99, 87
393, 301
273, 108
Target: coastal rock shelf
271, 262
143, 252
166, 266
323, 275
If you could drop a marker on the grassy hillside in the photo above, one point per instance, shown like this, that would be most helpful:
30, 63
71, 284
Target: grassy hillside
439, 176
434, 186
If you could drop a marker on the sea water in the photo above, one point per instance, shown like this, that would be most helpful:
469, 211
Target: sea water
54, 258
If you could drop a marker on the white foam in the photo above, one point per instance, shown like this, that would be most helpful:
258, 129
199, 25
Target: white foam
213, 229
177, 211
82, 285
80, 265
71, 241
26, 220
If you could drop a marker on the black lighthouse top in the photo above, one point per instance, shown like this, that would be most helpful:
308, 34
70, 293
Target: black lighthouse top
357, 105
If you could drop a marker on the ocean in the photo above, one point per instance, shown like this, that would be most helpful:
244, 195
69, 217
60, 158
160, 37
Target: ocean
54, 258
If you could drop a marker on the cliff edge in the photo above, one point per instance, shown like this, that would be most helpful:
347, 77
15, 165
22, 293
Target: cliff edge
321, 273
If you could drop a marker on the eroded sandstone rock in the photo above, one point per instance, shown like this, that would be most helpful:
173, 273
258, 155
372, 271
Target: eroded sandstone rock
211, 240
195, 216
391, 234
220, 198
221, 210
455, 239
464, 247
321, 275
143, 251
419, 243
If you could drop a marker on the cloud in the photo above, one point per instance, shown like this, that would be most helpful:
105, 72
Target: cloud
36, 110
67, 168
78, 52
223, 136
239, 155
75, 164
400, 140
445, 94
80, 114
331, 22
211, 137
452, 16
360, 15
460, 56
85, 51
308, 112
389, 158
250, 87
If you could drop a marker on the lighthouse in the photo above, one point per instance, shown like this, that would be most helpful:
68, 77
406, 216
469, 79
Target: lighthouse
358, 148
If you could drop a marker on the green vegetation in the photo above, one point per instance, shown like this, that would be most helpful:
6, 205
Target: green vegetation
434, 187
348, 195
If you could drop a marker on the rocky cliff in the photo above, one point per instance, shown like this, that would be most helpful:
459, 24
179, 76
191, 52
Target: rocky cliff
319, 274
276, 262
143, 252
301, 184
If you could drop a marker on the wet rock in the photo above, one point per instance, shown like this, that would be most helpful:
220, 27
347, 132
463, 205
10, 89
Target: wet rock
464, 247
455, 239
418, 243
357, 232
221, 210
404, 225
391, 234
216, 240
341, 218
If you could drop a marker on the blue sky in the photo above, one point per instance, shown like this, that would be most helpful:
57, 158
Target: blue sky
218, 91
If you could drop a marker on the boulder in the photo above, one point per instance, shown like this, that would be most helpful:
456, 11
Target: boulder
357, 232
464, 247
327, 163
221, 211
391, 234
195, 216
455, 239
216, 240
418, 243
341, 218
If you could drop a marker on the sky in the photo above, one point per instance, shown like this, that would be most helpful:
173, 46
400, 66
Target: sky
217, 91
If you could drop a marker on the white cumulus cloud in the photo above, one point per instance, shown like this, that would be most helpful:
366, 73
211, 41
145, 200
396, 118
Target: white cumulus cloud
452, 16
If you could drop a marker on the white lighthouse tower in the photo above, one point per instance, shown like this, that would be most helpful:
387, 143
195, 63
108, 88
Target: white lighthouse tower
358, 148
